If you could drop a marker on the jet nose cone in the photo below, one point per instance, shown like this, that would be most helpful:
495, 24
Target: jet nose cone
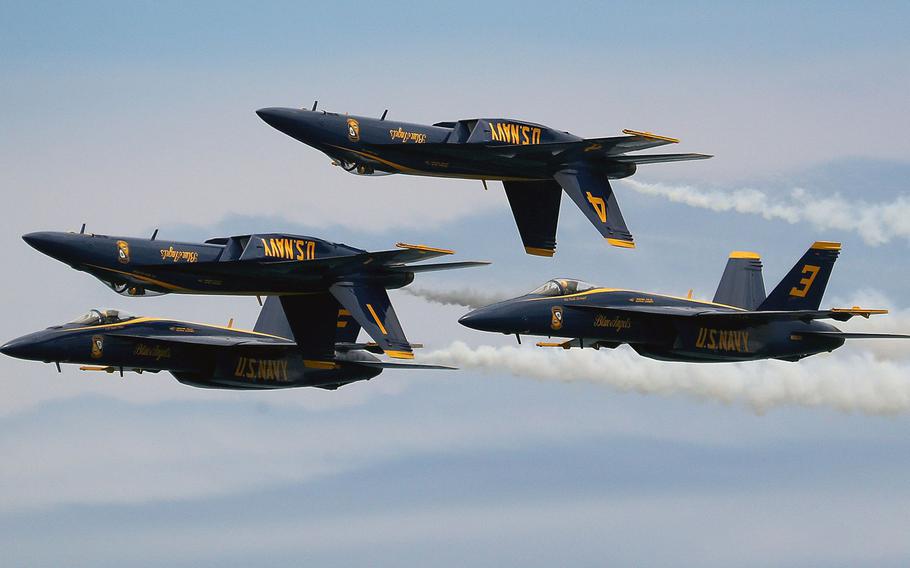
21, 348
41, 241
481, 319
56, 245
283, 119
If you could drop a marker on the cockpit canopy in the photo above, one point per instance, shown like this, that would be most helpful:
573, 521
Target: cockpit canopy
100, 317
562, 287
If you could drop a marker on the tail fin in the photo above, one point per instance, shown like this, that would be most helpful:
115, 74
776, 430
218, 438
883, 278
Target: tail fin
347, 327
311, 320
272, 319
535, 206
803, 287
742, 284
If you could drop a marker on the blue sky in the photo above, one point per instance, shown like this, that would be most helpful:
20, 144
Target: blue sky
132, 117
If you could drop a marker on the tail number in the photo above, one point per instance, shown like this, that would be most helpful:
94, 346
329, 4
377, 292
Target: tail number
810, 272
599, 205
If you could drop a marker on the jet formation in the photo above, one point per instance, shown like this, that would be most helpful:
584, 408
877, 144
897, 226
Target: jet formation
320, 294
535, 163
740, 324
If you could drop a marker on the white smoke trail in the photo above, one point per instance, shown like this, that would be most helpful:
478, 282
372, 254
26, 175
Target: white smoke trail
466, 297
850, 383
876, 223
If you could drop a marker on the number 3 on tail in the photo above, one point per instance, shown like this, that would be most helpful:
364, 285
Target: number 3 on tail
810, 272
600, 207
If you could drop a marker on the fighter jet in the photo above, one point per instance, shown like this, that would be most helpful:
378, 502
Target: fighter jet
534, 162
740, 324
322, 277
280, 351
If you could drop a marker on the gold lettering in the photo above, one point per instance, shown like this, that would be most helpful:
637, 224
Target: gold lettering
700, 341
265, 248
805, 283
524, 135
300, 251
536, 136
310, 250
600, 207
515, 134
712, 339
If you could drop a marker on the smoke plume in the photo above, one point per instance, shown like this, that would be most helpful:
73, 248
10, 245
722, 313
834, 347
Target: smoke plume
466, 297
876, 223
856, 382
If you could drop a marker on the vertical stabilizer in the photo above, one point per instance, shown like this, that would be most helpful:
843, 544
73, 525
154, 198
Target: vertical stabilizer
742, 284
803, 287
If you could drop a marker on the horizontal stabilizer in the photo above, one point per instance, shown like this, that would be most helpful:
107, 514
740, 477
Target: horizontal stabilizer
659, 158
850, 335
438, 266
394, 365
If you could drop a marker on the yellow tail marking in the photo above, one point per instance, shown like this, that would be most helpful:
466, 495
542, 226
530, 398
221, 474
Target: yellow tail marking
825, 245
376, 318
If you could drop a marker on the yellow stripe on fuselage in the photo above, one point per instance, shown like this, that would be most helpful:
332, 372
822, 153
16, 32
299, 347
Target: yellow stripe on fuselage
176, 322
597, 291
406, 170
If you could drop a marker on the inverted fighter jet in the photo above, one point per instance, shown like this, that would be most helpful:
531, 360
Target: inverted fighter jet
315, 278
535, 163
740, 324
280, 352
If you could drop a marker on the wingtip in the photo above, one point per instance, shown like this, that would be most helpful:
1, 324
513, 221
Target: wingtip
424, 248
621, 243
650, 135
537, 251
399, 354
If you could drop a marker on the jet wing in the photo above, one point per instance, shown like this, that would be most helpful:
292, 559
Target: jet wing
642, 309
591, 192
262, 267
746, 316
370, 306
212, 340
839, 314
